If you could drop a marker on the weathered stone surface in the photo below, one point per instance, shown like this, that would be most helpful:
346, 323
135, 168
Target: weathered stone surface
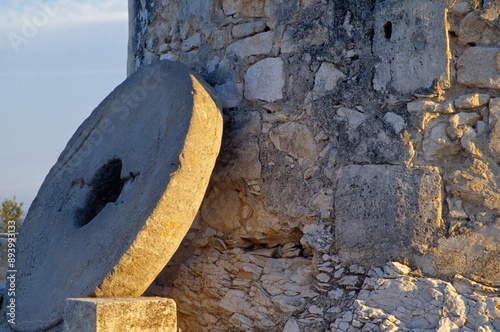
326, 79
395, 105
437, 144
264, 80
240, 150
120, 314
255, 45
252, 8
229, 93
371, 222
248, 29
291, 326
199, 9
299, 37
411, 42
295, 139
494, 125
353, 117
281, 10
397, 122
191, 43
113, 210
427, 304
267, 290
472, 100
479, 67
461, 8
474, 30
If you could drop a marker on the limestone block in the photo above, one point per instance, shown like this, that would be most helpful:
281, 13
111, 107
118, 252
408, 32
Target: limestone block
459, 120
326, 79
293, 42
248, 29
353, 117
412, 44
494, 112
199, 9
281, 10
472, 100
397, 122
261, 43
251, 8
461, 8
264, 80
118, 202
478, 67
291, 326
437, 145
295, 139
120, 314
192, 42
476, 30
386, 210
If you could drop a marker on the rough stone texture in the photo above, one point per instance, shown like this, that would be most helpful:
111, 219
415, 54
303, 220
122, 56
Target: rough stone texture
123, 314
113, 210
229, 93
412, 44
255, 45
472, 100
264, 80
326, 79
401, 103
427, 305
479, 67
386, 211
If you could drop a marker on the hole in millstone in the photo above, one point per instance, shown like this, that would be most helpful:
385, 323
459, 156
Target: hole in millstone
105, 188
388, 30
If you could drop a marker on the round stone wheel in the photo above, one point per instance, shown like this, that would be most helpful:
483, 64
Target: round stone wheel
115, 207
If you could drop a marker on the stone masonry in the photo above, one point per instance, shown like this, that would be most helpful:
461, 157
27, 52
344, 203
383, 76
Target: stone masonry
357, 187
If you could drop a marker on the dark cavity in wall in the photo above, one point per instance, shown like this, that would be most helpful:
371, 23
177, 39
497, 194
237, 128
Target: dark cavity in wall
388, 30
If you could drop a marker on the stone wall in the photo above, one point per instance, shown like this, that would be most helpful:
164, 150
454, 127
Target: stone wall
357, 134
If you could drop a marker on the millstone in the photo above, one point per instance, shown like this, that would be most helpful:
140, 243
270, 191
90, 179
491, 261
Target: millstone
121, 197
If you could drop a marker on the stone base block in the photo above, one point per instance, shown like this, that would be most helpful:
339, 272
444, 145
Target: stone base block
120, 314
386, 211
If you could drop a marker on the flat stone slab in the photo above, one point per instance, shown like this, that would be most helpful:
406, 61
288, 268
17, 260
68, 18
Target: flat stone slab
411, 40
121, 197
152, 314
386, 210
478, 67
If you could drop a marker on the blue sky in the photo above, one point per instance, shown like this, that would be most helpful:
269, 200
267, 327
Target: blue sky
58, 60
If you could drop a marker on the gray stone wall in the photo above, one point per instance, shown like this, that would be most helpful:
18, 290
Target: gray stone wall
356, 133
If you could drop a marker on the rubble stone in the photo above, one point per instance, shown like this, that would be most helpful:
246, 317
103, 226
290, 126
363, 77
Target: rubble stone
326, 79
264, 80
